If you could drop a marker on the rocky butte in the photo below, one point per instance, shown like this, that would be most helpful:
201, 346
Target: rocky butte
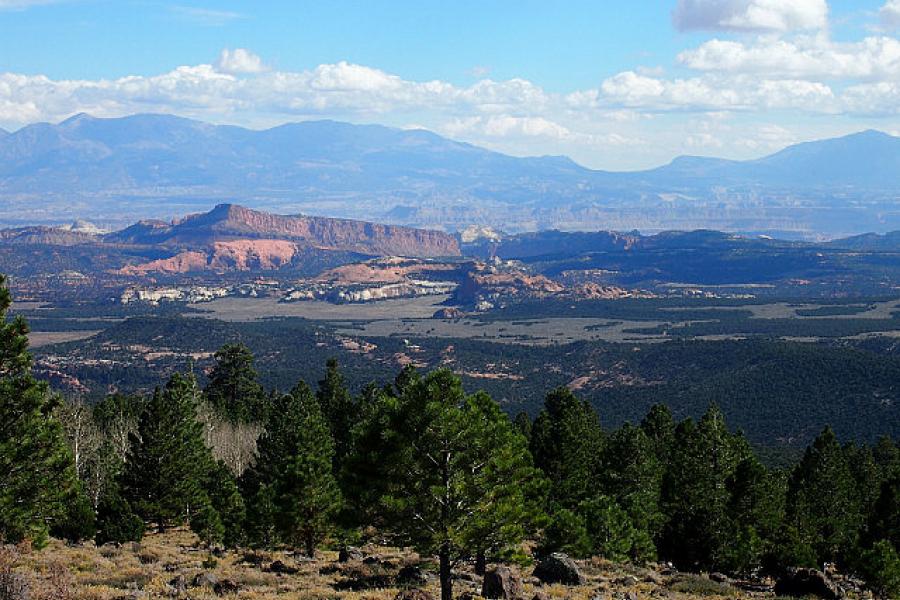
230, 222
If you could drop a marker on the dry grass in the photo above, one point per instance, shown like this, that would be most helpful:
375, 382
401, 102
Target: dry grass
148, 569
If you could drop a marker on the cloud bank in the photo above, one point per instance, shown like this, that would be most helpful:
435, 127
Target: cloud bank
768, 65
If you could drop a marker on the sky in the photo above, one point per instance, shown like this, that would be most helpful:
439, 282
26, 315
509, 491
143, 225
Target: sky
614, 85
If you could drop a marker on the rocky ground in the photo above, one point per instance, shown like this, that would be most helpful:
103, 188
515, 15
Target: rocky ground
171, 565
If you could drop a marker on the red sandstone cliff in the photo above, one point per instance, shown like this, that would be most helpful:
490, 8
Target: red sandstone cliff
229, 222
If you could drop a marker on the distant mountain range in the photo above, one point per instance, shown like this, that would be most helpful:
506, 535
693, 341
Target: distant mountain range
233, 242
117, 170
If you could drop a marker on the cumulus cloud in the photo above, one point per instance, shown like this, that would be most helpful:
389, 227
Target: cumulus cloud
890, 14
238, 88
239, 60
750, 15
715, 94
803, 75
506, 125
814, 57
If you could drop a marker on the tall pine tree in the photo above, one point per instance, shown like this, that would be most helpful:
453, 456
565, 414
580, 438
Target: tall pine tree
234, 390
292, 495
566, 442
338, 408
632, 475
163, 478
37, 473
451, 474
659, 426
695, 492
822, 501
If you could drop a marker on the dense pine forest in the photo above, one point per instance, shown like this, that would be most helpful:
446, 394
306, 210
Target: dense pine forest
428, 466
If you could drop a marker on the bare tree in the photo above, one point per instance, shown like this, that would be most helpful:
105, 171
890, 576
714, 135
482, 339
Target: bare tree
234, 443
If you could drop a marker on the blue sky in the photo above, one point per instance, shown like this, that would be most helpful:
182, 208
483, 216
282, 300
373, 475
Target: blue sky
615, 85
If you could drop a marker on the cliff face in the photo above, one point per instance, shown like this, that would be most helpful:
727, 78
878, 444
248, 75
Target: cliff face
50, 236
231, 222
239, 255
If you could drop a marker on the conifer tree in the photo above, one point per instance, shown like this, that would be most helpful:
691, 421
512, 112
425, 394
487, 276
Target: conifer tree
822, 504
234, 390
880, 565
523, 423
865, 476
226, 500
610, 530
659, 426
116, 522
887, 458
756, 511
507, 496
167, 462
452, 474
78, 522
566, 442
293, 497
338, 408
566, 531
37, 472
632, 476
884, 522
695, 491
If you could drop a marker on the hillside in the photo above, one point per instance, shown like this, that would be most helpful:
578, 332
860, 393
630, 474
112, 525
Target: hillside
149, 166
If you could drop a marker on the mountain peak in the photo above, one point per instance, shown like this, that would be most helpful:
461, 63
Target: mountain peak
229, 214
870, 134
76, 119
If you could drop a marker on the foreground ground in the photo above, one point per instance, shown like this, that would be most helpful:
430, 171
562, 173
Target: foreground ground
171, 565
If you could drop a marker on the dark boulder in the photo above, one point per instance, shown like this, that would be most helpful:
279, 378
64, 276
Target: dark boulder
226, 587
350, 554
558, 568
282, 569
503, 583
801, 583
204, 580
411, 576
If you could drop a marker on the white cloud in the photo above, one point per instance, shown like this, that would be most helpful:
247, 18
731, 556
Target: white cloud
709, 93
506, 126
813, 57
750, 15
239, 60
728, 86
890, 14
239, 89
